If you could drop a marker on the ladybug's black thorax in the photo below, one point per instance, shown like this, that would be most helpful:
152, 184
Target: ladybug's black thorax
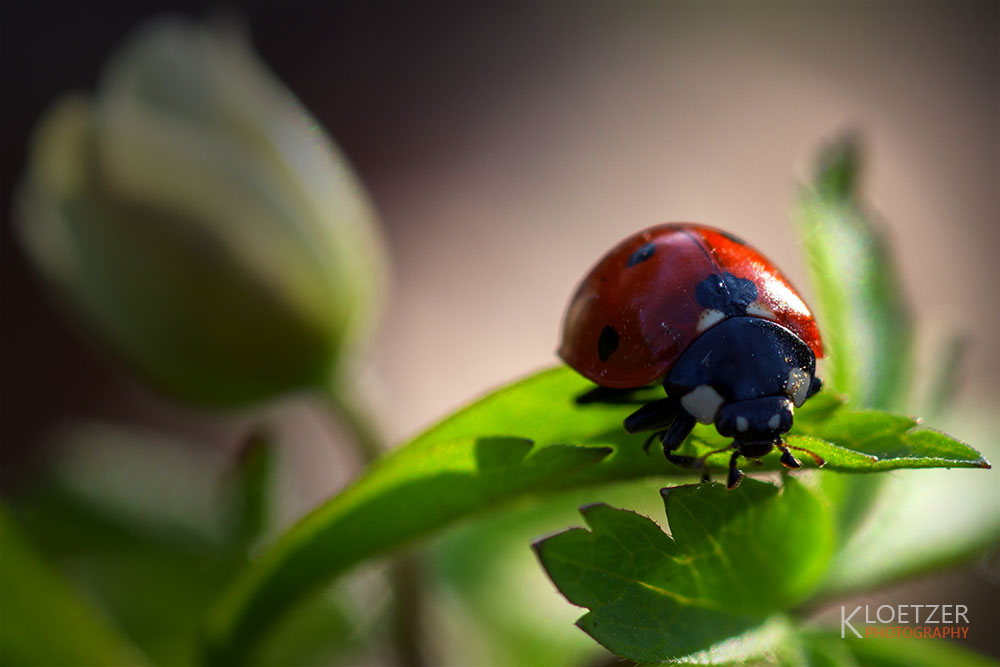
741, 358
745, 374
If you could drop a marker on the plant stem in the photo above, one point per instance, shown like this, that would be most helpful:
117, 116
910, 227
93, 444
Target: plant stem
357, 419
405, 575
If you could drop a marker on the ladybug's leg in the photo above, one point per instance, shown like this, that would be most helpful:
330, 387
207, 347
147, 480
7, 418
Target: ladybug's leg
656, 435
680, 459
679, 430
674, 436
671, 423
668, 448
702, 460
820, 461
735, 474
658, 415
787, 459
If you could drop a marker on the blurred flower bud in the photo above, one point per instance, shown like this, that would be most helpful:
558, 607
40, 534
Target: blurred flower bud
201, 222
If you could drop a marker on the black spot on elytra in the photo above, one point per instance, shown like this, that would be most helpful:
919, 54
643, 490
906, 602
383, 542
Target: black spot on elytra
726, 293
641, 255
607, 343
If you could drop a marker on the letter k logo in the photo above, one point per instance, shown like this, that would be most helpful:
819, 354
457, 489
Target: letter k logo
845, 622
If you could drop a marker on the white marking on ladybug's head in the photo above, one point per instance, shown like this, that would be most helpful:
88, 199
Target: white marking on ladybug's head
759, 309
797, 386
774, 422
709, 317
702, 403
742, 425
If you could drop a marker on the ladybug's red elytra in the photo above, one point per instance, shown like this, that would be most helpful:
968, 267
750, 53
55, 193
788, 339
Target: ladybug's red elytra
712, 319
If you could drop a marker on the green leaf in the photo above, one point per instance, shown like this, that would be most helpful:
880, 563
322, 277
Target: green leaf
511, 617
869, 441
533, 437
45, 621
475, 460
732, 559
862, 312
852, 441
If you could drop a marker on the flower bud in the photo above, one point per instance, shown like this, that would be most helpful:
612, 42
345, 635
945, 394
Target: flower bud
201, 223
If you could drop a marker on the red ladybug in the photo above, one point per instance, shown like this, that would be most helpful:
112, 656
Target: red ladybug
698, 309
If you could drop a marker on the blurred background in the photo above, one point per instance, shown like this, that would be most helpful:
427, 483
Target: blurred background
507, 146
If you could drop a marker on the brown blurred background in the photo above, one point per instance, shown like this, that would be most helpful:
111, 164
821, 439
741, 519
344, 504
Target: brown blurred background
508, 145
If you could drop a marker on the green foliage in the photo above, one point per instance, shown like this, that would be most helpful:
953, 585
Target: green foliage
871, 440
732, 559
824, 649
153, 580
863, 314
44, 620
454, 471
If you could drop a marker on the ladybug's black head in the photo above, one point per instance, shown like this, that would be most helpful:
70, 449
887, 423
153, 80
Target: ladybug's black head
756, 420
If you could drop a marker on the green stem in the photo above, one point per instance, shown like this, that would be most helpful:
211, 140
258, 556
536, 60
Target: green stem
405, 574
356, 418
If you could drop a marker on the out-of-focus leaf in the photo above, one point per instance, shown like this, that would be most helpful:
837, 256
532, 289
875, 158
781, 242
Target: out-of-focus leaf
155, 583
828, 649
861, 309
733, 558
44, 620
130, 476
133, 517
249, 489
943, 385
859, 303
927, 520
315, 633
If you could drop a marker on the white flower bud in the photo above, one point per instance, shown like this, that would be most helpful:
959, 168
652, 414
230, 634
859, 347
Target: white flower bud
202, 223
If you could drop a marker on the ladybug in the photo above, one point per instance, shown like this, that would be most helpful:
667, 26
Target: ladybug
712, 319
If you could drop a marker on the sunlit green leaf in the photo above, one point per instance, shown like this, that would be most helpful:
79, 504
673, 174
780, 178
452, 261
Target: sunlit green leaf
532, 437
732, 559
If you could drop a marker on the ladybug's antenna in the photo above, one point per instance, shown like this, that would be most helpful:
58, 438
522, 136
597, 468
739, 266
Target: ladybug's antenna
820, 461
